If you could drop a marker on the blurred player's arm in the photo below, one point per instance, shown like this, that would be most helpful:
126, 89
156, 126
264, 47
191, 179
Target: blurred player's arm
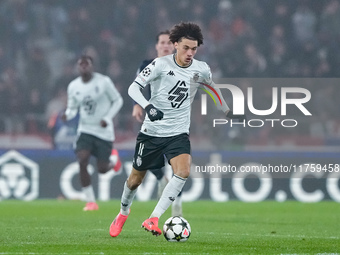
72, 106
116, 103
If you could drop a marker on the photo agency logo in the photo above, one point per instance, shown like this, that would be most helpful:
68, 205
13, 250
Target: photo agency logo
273, 102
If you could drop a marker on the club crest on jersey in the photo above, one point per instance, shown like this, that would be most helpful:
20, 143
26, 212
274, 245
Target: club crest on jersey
196, 77
178, 94
146, 72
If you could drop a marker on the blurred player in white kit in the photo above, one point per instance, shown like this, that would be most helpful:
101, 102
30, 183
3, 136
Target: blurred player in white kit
98, 101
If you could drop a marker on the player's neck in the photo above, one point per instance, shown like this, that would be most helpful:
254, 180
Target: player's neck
86, 77
179, 62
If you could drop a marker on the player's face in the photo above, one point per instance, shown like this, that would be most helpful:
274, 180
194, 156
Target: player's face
185, 51
85, 66
164, 46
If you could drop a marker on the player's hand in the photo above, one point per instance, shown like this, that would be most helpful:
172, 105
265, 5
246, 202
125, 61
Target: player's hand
153, 113
103, 123
231, 115
137, 112
63, 117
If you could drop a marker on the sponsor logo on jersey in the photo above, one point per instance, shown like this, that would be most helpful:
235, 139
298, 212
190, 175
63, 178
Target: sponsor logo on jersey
178, 94
171, 73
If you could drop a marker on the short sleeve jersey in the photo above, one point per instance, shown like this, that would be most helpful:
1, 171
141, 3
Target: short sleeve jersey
173, 88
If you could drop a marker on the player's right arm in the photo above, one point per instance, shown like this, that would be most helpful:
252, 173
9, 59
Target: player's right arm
137, 110
152, 112
72, 104
146, 76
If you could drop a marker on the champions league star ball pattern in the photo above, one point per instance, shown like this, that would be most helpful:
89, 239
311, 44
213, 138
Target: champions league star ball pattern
176, 229
146, 72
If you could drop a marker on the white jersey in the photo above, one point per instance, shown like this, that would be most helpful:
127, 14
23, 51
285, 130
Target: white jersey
96, 100
173, 88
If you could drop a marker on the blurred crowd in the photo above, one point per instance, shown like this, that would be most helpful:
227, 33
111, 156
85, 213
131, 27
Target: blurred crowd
40, 41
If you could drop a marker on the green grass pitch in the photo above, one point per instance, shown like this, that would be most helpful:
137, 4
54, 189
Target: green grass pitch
61, 227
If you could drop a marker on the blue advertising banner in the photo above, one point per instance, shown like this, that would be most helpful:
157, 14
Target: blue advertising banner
248, 176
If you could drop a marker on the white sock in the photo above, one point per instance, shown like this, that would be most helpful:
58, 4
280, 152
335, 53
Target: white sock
178, 201
89, 194
127, 198
169, 194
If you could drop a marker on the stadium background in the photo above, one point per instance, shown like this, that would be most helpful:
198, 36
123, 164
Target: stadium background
41, 40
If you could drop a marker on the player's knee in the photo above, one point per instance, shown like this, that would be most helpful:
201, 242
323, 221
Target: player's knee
133, 182
184, 173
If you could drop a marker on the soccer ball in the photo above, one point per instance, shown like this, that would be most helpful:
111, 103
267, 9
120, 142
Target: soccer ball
176, 229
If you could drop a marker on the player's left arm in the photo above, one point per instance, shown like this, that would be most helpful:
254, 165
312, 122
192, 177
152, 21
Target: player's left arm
225, 108
223, 104
116, 102
207, 79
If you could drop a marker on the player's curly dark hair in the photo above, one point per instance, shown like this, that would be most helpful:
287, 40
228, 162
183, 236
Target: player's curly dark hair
187, 30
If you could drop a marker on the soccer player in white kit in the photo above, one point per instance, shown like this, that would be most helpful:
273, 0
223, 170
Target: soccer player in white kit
165, 131
163, 47
98, 101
